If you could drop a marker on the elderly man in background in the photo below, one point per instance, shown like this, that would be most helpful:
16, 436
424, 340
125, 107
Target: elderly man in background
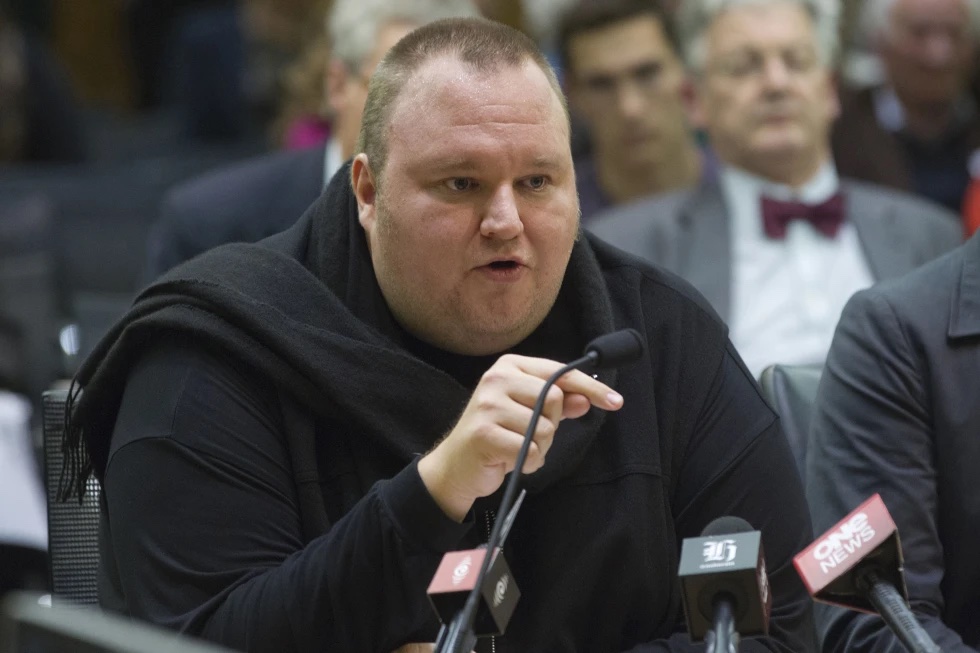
249, 201
779, 243
918, 129
625, 78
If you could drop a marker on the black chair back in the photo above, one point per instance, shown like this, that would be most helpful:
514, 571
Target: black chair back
30, 316
73, 526
791, 390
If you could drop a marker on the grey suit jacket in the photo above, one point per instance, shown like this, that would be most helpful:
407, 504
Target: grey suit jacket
688, 233
898, 413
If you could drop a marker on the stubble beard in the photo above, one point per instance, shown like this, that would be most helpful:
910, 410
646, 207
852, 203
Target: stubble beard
454, 323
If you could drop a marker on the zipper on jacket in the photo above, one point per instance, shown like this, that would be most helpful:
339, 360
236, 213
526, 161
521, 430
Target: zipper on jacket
489, 517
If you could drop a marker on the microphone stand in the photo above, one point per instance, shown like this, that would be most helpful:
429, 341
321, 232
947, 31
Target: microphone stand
458, 636
893, 610
723, 639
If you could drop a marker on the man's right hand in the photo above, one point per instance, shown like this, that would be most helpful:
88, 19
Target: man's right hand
415, 648
473, 459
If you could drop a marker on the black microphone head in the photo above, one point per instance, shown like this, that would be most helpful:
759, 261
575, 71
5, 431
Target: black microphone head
616, 348
726, 526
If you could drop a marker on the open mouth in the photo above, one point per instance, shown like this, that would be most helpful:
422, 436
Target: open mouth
504, 265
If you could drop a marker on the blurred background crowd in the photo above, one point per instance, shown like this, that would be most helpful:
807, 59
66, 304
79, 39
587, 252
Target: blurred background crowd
110, 109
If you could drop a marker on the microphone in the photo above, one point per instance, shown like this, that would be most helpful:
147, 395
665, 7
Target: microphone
858, 564
724, 585
458, 636
615, 349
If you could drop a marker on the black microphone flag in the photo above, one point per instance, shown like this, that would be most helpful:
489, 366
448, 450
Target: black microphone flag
728, 564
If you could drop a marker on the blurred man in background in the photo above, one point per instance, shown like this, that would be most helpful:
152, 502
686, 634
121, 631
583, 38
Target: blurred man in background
625, 79
249, 201
918, 129
897, 414
779, 243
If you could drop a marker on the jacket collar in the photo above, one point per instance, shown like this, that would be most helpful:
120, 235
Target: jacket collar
964, 310
703, 253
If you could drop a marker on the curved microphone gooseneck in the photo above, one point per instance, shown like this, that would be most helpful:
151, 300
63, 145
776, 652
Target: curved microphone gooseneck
609, 350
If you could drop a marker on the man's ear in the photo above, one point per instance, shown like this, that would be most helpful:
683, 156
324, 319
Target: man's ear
365, 190
692, 103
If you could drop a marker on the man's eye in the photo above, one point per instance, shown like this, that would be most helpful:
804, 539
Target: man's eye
800, 61
461, 183
600, 84
647, 75
537, 183
742, 66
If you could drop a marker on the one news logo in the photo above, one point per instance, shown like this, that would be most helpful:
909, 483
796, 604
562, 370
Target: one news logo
837, 547
500, 591
462, 570
719, 551
763, 578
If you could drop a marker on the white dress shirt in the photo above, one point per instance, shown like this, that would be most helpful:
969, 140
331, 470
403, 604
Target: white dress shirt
787, 295
333, 158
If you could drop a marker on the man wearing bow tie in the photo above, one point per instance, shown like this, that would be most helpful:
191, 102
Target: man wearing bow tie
778, 243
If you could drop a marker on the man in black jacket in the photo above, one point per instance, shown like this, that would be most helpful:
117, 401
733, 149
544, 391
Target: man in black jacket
897, 413
291, 434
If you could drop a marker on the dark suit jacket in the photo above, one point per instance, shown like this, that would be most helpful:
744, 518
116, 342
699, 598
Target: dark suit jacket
898, 413
864, 150
687, 232
55, 131
245, 202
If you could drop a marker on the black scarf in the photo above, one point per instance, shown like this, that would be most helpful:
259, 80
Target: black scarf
303, 309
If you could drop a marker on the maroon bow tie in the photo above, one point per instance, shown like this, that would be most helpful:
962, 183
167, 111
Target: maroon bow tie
826, 217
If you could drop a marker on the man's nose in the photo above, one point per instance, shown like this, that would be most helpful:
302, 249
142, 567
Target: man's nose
940, 48
502, 219
775, 73
630, 101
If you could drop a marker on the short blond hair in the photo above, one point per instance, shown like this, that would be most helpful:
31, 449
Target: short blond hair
485, 45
